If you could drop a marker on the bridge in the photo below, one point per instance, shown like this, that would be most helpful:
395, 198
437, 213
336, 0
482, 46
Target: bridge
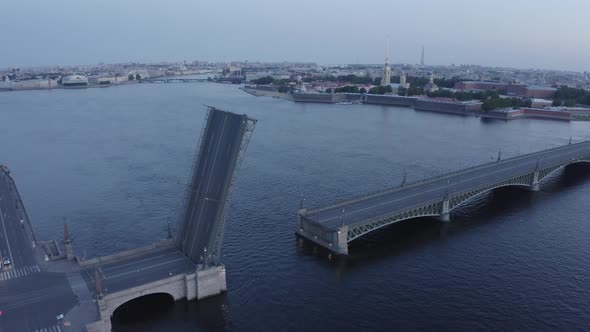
38, 294
174, 80
336, 225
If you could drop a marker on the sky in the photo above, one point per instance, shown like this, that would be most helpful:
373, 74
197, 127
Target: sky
513, 33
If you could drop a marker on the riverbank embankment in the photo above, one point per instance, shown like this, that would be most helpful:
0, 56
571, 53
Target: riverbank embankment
423, 103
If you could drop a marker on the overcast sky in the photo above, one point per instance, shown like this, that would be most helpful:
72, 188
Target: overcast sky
516, 33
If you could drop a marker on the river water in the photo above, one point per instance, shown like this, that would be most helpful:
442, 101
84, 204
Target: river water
113, 163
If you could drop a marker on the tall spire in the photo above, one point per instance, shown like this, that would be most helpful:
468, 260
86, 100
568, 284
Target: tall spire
387, 51
386, 79
422, 57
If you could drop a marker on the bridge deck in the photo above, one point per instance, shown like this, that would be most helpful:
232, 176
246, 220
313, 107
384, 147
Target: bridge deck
207, 199
391, 201
141, 270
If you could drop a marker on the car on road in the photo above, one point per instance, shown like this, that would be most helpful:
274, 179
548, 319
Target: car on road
6, 262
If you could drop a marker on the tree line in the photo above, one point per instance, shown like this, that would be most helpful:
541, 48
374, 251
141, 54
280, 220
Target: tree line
566, 96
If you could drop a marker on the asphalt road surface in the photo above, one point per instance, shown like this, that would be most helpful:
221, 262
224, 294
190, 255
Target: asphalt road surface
142, 270
210, 182
395, 200
15, 243
30, 299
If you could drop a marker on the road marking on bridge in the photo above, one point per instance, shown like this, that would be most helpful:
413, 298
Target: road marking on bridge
54, 328
79, 287
21, 272
6, 237
142, 269
138, 261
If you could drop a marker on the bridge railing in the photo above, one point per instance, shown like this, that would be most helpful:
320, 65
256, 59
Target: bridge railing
494, 184
383, 216
489, 184
22, 205
380, 192
413, 207
189, 186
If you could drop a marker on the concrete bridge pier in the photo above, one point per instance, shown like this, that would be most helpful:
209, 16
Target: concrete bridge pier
300, 213
535, 183
445, 214
342, 240
199, 285
335, 240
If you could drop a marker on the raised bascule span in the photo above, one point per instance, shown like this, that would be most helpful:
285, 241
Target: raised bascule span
87, 292
224, 141
334, 226
187, 266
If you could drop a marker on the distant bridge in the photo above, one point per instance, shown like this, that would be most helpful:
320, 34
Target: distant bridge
174, 80
334, 226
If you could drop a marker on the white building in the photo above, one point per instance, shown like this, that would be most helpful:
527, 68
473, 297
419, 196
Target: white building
74, 80
431, 86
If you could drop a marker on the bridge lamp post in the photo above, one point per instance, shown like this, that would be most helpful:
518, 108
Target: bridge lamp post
205, 261
301, 200
404, 178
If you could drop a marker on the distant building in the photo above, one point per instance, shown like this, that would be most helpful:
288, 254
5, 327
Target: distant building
540, 103
35, 84
281, 76
74, 80
537, 91
431, 86
386, 80
403, 81
523, 90
105, 80
6, 84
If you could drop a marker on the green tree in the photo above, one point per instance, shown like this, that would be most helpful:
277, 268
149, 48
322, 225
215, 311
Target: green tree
131, 77
347, 89
362, 90
569, 103
137, 76
497, 102
264, 80
379, 90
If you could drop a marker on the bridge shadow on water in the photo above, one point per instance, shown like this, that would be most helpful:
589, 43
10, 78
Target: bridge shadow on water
159, 312
573, 175
404, 237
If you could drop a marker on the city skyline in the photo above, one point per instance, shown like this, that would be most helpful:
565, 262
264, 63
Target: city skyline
66, 32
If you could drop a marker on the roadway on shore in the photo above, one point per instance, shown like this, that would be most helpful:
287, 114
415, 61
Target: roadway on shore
30, 298
15, 243
392, 201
